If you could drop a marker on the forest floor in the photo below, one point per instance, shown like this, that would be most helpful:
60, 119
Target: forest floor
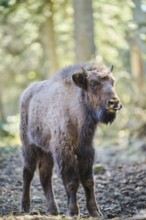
120, 187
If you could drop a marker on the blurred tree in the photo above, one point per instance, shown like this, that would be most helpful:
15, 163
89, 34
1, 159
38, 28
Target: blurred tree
2, 115
83, 30
138, 64
48, 40
38, 37
138, 45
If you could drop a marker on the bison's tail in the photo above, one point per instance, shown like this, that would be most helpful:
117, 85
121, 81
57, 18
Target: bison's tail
23, 123
27, 150
24, 111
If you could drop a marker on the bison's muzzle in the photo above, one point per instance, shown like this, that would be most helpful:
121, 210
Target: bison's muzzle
113, 105
108, 113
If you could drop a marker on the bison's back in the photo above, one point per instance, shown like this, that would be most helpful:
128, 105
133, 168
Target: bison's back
31, 107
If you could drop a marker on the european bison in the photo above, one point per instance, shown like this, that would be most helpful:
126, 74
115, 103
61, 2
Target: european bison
58, 121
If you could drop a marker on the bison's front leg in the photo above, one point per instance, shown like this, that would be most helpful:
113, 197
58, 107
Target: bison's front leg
69, 172
86, 176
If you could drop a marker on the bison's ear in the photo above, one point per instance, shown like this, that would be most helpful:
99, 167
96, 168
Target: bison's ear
80, 79
111, 68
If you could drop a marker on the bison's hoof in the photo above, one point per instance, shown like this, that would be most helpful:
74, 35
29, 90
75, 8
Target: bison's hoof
95, 213
25, 207
73, 212
53, 211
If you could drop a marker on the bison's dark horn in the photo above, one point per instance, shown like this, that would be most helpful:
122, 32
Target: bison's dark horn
84, 71
111, 68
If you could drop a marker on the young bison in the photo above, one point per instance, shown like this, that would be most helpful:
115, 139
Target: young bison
58, 121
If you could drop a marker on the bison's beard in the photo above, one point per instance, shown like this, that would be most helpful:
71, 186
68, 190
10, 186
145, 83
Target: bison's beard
105, 116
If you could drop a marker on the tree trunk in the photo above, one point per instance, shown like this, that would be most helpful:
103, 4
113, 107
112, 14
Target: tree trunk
48, 41
83, 30
137, 65
137, 48
139, 17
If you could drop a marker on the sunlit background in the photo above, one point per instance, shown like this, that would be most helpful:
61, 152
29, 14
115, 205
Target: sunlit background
37, 38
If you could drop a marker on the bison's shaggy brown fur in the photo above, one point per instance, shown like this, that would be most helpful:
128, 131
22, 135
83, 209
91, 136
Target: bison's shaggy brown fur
58, 120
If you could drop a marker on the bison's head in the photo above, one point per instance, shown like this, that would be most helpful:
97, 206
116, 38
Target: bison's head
99, 92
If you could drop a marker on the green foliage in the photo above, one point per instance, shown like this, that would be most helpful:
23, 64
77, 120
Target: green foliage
23, 57
9, 131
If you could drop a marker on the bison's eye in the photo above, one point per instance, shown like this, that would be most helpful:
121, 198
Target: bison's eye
94, 84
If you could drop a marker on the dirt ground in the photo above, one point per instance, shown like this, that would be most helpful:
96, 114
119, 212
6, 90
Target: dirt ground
120, 187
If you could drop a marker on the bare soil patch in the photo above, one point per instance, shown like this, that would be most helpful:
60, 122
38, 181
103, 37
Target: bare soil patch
120, 189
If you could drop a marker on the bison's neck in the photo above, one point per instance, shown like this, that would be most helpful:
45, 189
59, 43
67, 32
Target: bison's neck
88, 128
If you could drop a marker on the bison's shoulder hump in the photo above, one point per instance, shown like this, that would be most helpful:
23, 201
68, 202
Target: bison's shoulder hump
66, 73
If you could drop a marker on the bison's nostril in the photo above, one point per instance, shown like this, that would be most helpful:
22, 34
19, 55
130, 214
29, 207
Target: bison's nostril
111, 102
114, 104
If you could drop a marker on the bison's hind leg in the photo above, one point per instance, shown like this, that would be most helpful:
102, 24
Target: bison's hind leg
30, 162
45, 171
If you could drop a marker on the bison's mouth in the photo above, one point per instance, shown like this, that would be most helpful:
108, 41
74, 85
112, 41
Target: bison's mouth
107, 113
106, 116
